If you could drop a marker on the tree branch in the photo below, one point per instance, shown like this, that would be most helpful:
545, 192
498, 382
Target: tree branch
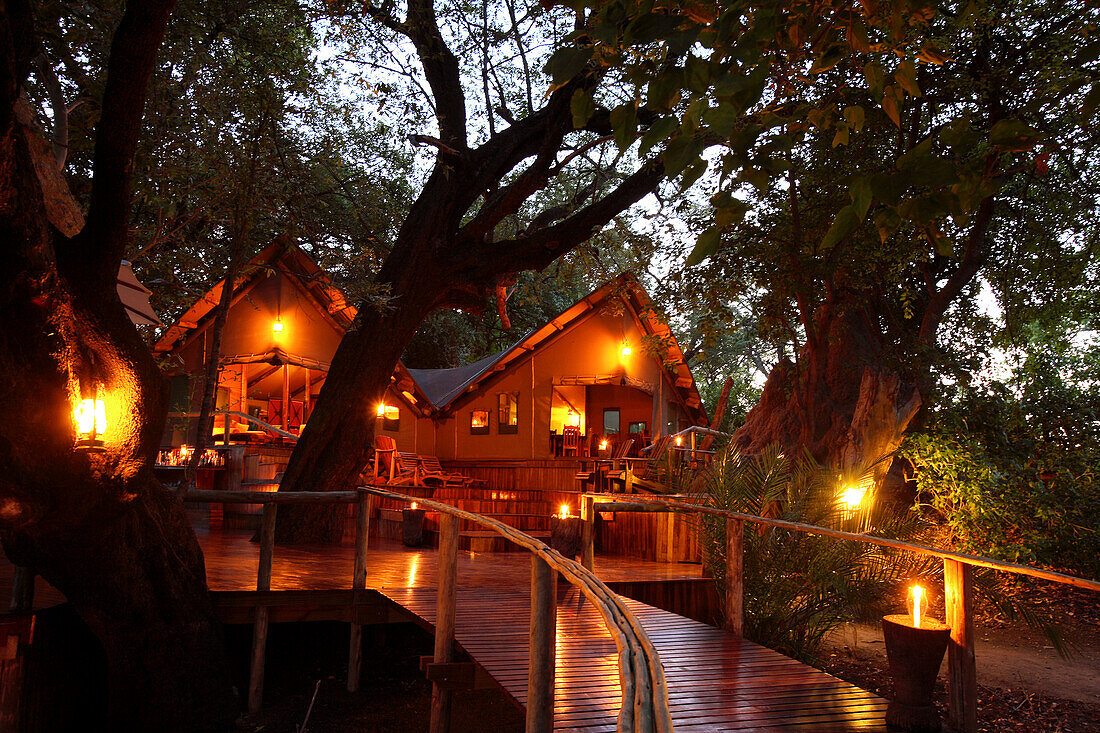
441, 70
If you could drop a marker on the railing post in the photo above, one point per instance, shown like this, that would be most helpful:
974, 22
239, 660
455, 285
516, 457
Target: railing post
588, 532
540, 670
962, 683
358, 582
735, 595
259, 628
445, 618
22, 590
694, 458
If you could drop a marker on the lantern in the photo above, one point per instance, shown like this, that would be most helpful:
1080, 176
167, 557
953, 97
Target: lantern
624, 350
917, 594
381, 410
277, 326
90, 421
564, 511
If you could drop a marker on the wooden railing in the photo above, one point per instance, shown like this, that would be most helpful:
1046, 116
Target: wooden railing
958, 583
641, 677
243, 416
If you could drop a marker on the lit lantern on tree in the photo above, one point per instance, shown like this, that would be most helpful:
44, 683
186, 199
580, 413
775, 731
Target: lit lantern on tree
90, 421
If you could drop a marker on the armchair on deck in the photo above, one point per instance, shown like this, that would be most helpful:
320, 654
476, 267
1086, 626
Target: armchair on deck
390, 467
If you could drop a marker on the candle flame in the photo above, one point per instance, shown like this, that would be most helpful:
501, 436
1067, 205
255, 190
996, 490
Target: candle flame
679, 440
564, 511
918, 593
413, 505
90, 417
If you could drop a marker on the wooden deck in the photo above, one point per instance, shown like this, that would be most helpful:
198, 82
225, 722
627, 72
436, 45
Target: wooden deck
716, 681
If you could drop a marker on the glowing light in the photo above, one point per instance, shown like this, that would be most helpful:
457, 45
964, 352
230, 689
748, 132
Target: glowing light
918, 595
624, 350
603, 445
413, 505
90, 418
381, 410
574, 418
851, 496
564, 511
679, 440
277, 326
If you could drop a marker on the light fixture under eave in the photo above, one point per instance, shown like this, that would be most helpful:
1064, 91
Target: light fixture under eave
380, 411
624, 350
277, 326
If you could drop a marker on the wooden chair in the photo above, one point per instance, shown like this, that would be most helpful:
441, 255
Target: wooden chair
571, 440
432, 470
390, 466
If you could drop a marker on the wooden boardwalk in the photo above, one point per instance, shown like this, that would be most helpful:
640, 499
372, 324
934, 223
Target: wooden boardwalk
716, 681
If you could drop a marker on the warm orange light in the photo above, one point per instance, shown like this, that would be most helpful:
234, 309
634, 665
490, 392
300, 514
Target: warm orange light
918, 595
624, 350
277, 326
679, 440
90, 418
851, 496
413, 505
603, 445
381, 410
564, 511
574, 418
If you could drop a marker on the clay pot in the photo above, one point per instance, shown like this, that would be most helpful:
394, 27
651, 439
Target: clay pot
412, 527
565, 535
914, 655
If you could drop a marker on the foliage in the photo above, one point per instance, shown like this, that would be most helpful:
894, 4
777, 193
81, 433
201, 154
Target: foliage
797, 586
1011, 468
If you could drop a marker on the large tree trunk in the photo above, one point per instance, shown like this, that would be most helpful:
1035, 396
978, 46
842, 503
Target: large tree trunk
842, 402
95, 523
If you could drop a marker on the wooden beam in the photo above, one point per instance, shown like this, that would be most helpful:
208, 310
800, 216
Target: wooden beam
543, 638
962, 681
588, 532
272, 497
445, 618
734, 602
286, 397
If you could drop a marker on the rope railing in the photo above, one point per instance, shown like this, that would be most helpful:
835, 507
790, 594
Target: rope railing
958, 584
641, 676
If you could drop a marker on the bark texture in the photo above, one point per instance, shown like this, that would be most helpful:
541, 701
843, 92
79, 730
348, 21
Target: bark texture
841, 402
96, 524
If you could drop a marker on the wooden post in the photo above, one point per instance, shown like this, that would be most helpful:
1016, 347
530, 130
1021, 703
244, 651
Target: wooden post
693, 456
540, 670
259, 628
306, 398
22, 590
962, 683
445, 618
588, 532
286, 397
359, 582
735, 596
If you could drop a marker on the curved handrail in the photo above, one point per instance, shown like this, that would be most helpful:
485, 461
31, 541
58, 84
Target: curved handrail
244, 416
641, 676
975, 560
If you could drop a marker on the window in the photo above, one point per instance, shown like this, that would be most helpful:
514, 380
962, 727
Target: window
507, 413
637, 428
611, 421
391, 418
671, 417
479, 422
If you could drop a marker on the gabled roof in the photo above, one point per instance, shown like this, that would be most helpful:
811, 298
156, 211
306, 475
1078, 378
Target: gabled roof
446, 387
288, 259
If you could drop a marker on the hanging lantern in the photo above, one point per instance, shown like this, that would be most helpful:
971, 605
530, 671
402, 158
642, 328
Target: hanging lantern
624, 350
277, 326
90, 422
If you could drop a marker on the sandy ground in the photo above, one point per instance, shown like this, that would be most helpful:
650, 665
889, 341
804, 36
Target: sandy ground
1013, 657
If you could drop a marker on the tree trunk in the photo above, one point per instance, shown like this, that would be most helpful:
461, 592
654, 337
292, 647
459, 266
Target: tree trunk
204, 426
94, 522
842, 403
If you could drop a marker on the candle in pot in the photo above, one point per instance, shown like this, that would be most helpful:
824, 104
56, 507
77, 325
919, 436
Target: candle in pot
918, 595
564, 511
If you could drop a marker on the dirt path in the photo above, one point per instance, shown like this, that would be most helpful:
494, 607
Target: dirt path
1010, 657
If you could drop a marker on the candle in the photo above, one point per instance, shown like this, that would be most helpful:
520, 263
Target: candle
564, 511
918, 593
413, 505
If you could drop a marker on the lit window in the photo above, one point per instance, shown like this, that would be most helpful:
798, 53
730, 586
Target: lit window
507, 414
479, 422
391, 419
611, 421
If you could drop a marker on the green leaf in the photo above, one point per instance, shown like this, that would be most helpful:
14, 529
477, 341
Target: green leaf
658, 131
847, 219
582, 107
624, 121
855, 117
732, 211
841, 136
566, 63
755, 177
829, 58
1013, 135
705, 246
697, 74
887, 222
860, 191
890, 106
876, 79
1092, 101
906, 76
691, 174
681, 152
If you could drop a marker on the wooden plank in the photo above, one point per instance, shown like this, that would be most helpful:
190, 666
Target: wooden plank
272, 497
543, 633
962, 686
